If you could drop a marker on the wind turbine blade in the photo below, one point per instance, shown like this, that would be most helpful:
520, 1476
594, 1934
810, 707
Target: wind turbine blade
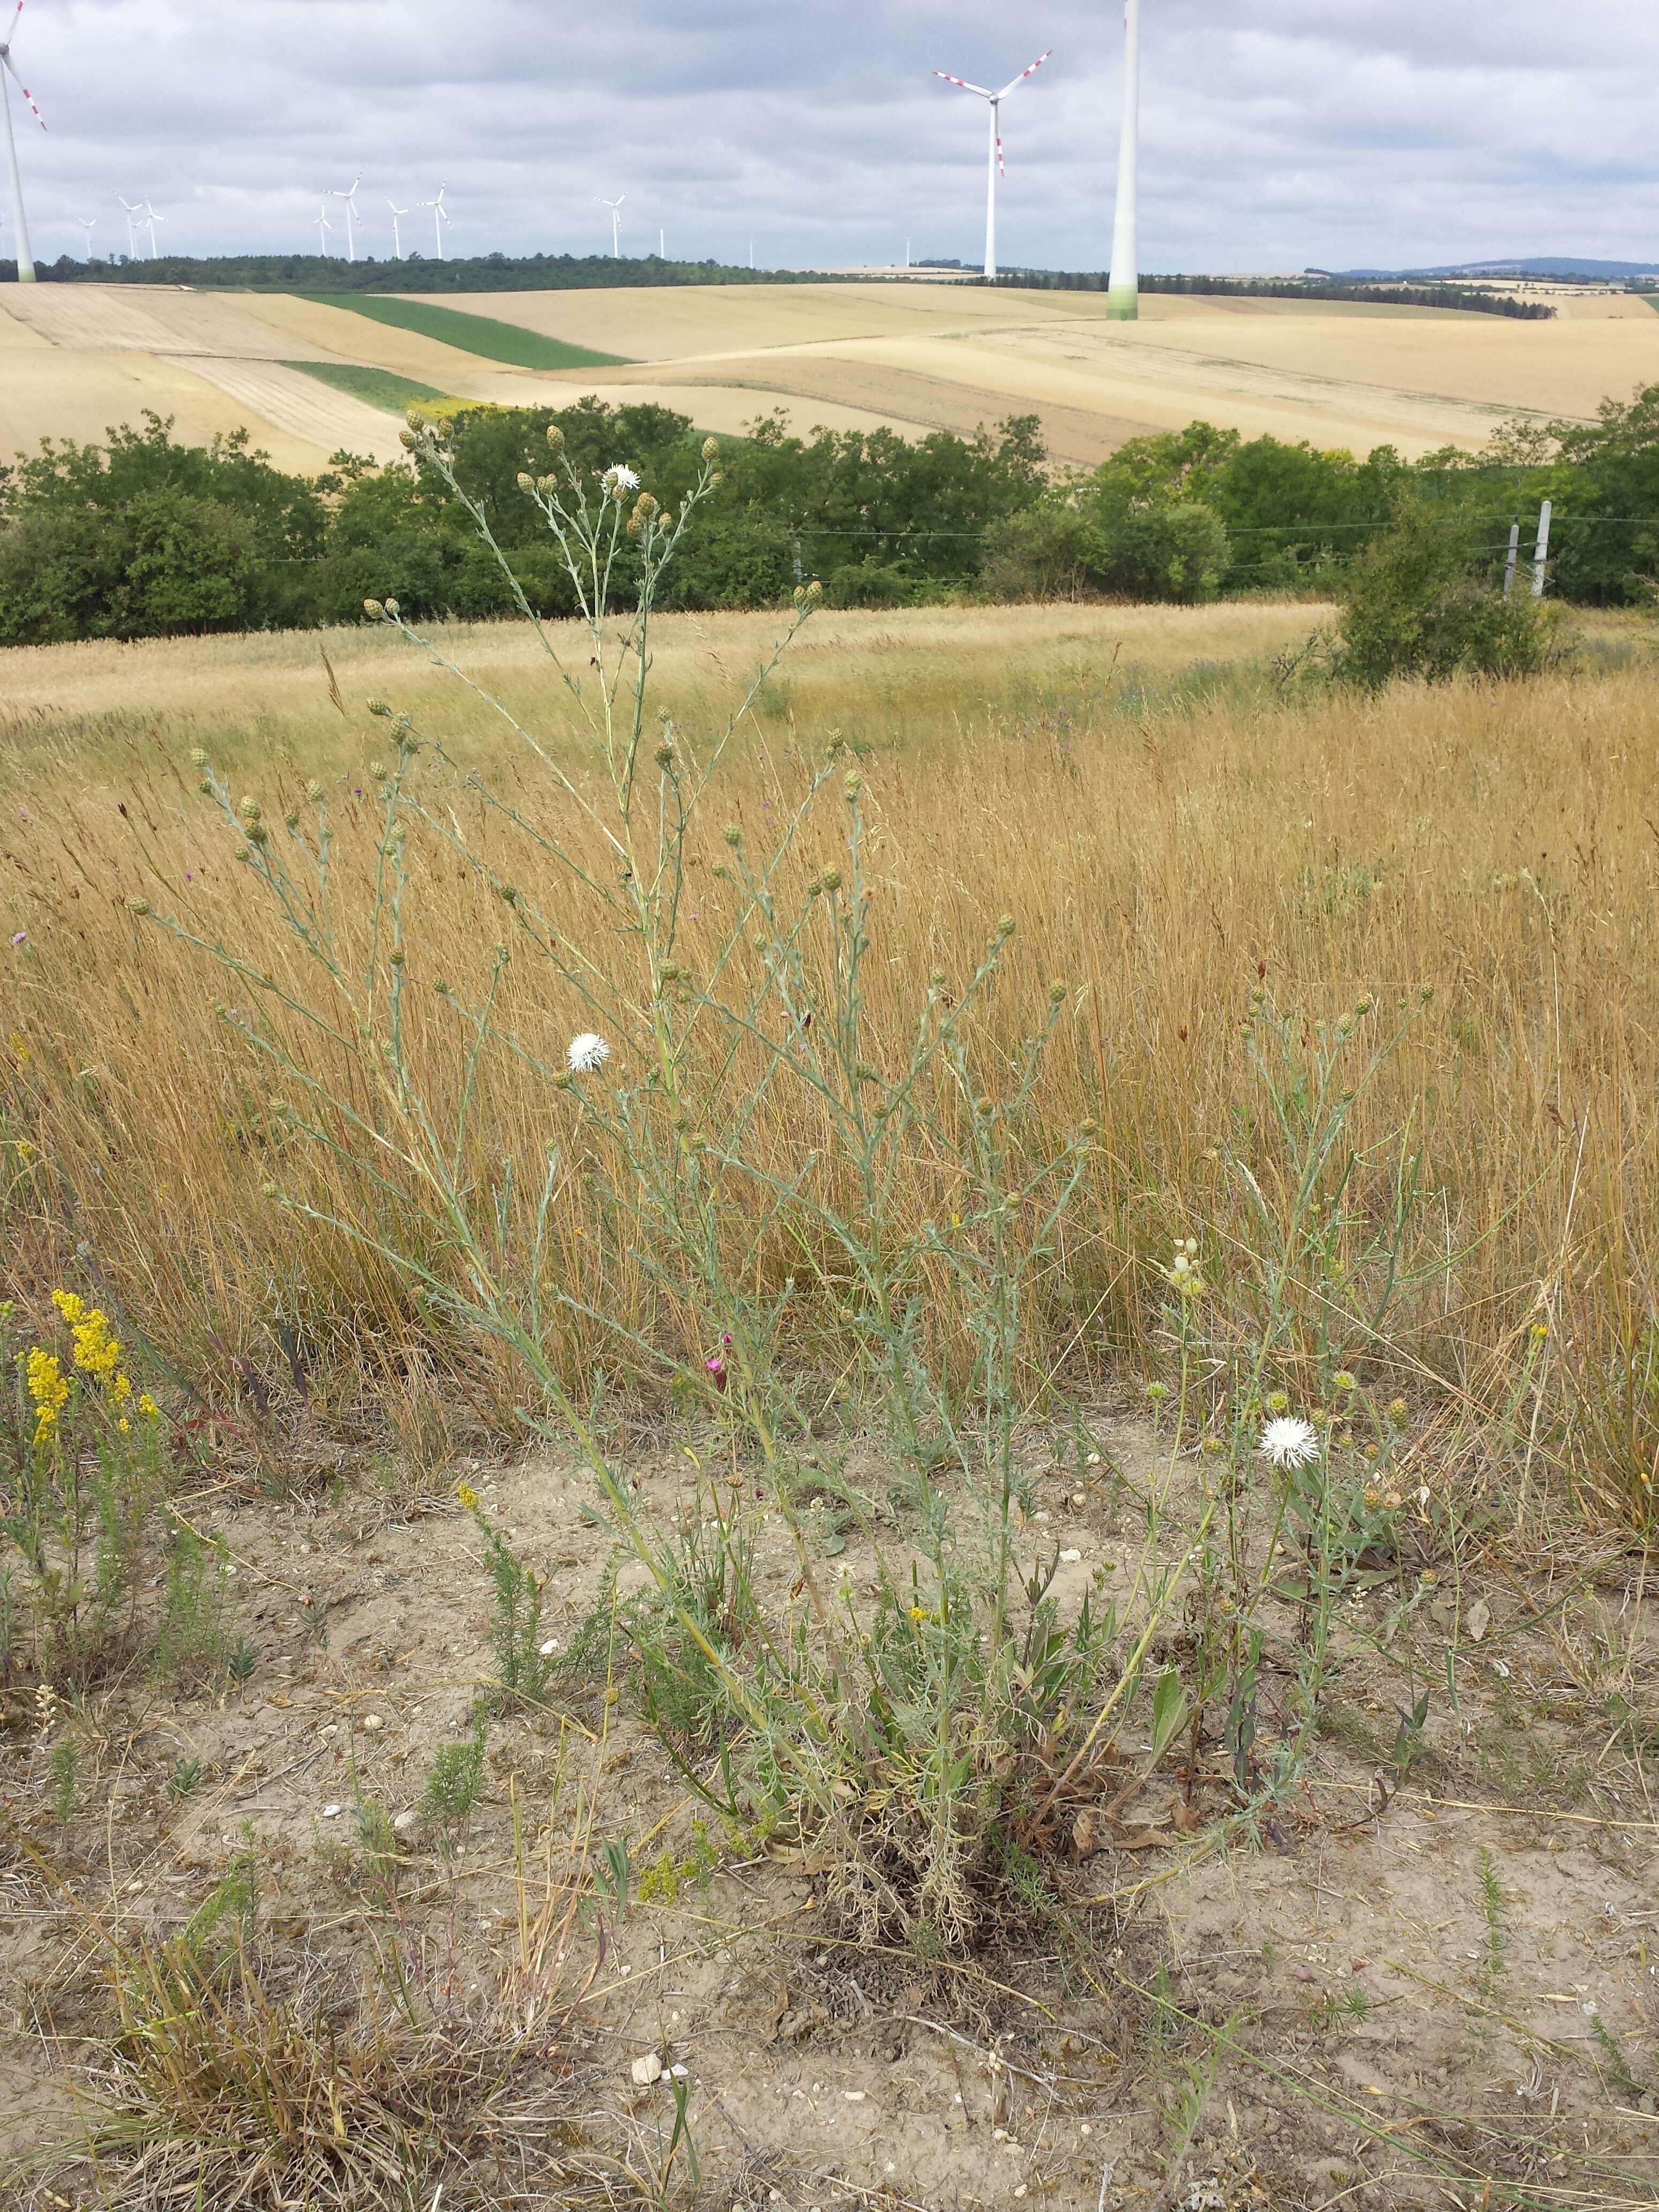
1023, 74
964, 82
6, 58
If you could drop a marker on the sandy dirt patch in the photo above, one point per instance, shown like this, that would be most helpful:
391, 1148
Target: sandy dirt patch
1393, 1994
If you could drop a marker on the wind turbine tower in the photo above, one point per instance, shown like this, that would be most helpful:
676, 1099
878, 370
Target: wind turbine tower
132, 226
349, 196
89, 223
1123, 285
994, 156
324, 226
150, 221
396, 235
615, 207
7, 67
439, 217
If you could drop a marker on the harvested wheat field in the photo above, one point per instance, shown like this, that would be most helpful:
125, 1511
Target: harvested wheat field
885, 1437
918, 357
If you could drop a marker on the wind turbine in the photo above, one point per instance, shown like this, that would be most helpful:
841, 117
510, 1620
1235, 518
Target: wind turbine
396, 235
616, 223
150, 221
89, 223
994, 167
24, 260
324, 227
132, 228
439, 217
349, 196
1123, 285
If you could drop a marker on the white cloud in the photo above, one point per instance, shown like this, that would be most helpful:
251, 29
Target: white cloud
1276, 132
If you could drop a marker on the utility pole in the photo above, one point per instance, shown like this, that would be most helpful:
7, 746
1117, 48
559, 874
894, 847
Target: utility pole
1541, 551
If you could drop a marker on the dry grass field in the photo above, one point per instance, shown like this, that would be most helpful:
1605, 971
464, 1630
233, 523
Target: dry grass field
916, 356
743, 1620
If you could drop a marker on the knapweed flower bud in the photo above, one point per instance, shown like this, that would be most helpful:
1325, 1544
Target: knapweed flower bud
413, 417
664, 755
732, 835
137, 906
1006, 926
379, 707
554, 436
830, 879
526, 482
314, 791
408, 440
392, 606
290, 818
197, 757
249, 809
814, 590
1056, 993
372, 607
710, 447
378, 770
852, 784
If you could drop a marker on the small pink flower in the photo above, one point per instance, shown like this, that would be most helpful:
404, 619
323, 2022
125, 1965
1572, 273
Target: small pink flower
20, 937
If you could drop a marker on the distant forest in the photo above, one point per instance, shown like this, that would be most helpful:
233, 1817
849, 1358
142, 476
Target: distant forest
568, 272
328, 272
1467, 297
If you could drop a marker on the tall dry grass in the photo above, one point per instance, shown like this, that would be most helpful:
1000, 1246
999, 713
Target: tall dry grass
1168, 853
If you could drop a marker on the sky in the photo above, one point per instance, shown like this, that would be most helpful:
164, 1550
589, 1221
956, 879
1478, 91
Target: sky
1275, 134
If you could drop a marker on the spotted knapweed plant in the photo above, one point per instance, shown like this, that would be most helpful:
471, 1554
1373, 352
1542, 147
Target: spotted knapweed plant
939, 1720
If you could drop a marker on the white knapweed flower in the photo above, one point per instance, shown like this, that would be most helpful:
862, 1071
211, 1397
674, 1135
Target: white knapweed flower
1288, 1442
619, 477
588, 1052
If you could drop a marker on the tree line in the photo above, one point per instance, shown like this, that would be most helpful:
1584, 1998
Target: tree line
144, 535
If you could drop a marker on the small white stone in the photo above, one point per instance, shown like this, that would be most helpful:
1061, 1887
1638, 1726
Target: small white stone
1093, 1460
1070, 1557
406, 1823
678, 2073
371, 1722
331, 1811
548, 1648
1080, 1499
647, 2070
853, 2096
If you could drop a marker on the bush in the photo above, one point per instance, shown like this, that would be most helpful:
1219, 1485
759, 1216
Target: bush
1041, 553
1177, 552
1415, 603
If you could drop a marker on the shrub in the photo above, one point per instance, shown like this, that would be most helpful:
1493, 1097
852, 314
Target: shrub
1177, 552
1415, 603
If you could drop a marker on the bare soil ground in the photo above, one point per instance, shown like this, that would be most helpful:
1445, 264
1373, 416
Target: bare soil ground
1440, 1989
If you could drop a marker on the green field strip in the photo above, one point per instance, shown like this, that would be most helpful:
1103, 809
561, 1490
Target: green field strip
377, 388
480, 334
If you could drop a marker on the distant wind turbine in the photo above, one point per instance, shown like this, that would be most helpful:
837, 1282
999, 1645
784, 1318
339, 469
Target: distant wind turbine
396, 235
324, 227
150, 221
349, 196
439, 217
132, 226
7, 67
616, 223
994, 162
89, 223
1123, 285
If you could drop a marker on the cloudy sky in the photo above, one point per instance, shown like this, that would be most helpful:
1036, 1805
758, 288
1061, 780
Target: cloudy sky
1275, 133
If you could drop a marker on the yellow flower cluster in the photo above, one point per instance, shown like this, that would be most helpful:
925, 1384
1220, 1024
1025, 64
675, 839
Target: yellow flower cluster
468, 1496
49, 1387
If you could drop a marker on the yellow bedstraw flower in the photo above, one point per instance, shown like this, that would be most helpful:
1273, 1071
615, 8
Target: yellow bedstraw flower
468, 1496
147, 1406
69, 1306
48, 1388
